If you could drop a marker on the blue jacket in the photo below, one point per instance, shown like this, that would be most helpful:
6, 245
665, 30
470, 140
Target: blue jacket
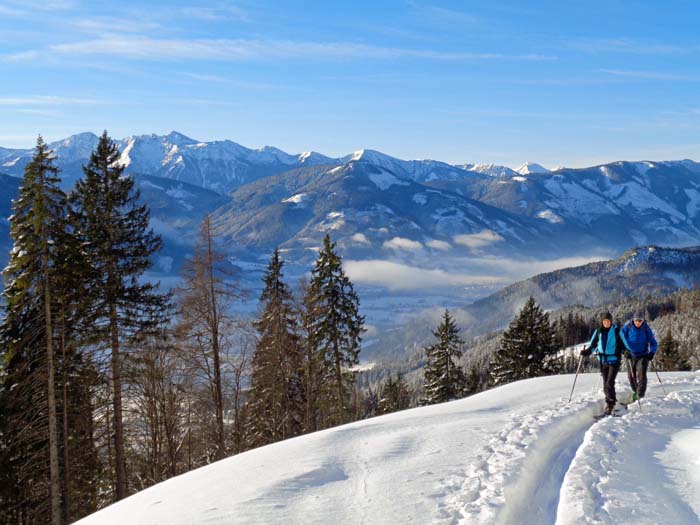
641, 341
608, 348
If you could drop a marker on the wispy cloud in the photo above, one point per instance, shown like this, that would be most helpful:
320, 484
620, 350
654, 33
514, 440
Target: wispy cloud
40, 112
480, 271
145, 48
42, 5
214, 14
443, 14
514, 113
217, 79
106, 24
400, 277
651, 75
29, 9
42, 100
692, 112
200, 102
627, 45
515, 269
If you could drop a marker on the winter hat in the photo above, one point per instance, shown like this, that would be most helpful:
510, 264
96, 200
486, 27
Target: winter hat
638, 315
606, 315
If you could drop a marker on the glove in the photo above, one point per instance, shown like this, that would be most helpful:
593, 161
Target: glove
585, 352
650, 356
628, 355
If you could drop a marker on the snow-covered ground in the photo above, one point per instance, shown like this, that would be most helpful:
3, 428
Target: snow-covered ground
516, 454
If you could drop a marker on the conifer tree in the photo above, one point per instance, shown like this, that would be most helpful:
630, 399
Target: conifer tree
473, 381
28, 339
334, 327
528, 347
80, 464
444, 380
669, 356
312, 360
113, 227
370, 404
276, 398
394, 395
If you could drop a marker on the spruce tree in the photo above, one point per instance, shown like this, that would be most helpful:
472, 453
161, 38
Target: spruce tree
28, 336
334, 326
394, 395
669, 356
79, 377
276, 398
473, 381
444, 380
312, 360
113, 227
528, 347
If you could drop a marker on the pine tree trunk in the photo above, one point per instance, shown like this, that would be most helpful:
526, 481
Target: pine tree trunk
119, 454
310, 392
55, 476
66, 452
339, 384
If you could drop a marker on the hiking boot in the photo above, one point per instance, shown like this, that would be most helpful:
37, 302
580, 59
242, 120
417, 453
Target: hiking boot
609, 409
635, 397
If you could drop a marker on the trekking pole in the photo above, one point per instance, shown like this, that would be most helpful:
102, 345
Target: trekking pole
658, 377
633, 373
578, 368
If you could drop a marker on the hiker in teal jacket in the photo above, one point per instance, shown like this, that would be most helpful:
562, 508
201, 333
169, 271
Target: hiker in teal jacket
642, 347
608, 343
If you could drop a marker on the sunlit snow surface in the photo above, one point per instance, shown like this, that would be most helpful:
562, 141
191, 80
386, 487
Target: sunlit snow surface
517, 454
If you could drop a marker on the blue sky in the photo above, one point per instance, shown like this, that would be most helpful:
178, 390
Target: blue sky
570, 83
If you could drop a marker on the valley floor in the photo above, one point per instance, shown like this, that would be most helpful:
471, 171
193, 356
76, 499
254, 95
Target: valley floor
517, 454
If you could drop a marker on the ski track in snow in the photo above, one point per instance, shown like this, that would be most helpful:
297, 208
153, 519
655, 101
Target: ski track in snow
562, 466
524, 465
639, 468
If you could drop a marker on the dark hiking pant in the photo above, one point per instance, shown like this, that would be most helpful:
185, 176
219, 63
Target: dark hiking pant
637, 374
609, 374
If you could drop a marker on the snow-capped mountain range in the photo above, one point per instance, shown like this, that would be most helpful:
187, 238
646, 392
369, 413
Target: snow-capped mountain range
219, 165
380, 207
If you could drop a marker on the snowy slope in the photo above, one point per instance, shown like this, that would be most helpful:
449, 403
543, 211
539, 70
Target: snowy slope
516, 454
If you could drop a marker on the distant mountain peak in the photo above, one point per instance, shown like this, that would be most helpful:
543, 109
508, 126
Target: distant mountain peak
175, 137
492, 170
75, 147
531, 167
363, 154
75, 140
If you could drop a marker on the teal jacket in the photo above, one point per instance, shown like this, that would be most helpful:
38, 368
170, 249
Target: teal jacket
608, 345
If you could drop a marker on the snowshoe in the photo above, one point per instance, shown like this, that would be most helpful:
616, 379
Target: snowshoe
609, 411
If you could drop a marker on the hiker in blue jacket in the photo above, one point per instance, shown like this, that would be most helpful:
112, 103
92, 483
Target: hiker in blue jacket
607, 343
642, 347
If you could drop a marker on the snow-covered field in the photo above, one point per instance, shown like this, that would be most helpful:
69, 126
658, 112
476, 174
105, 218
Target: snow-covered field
517, 454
